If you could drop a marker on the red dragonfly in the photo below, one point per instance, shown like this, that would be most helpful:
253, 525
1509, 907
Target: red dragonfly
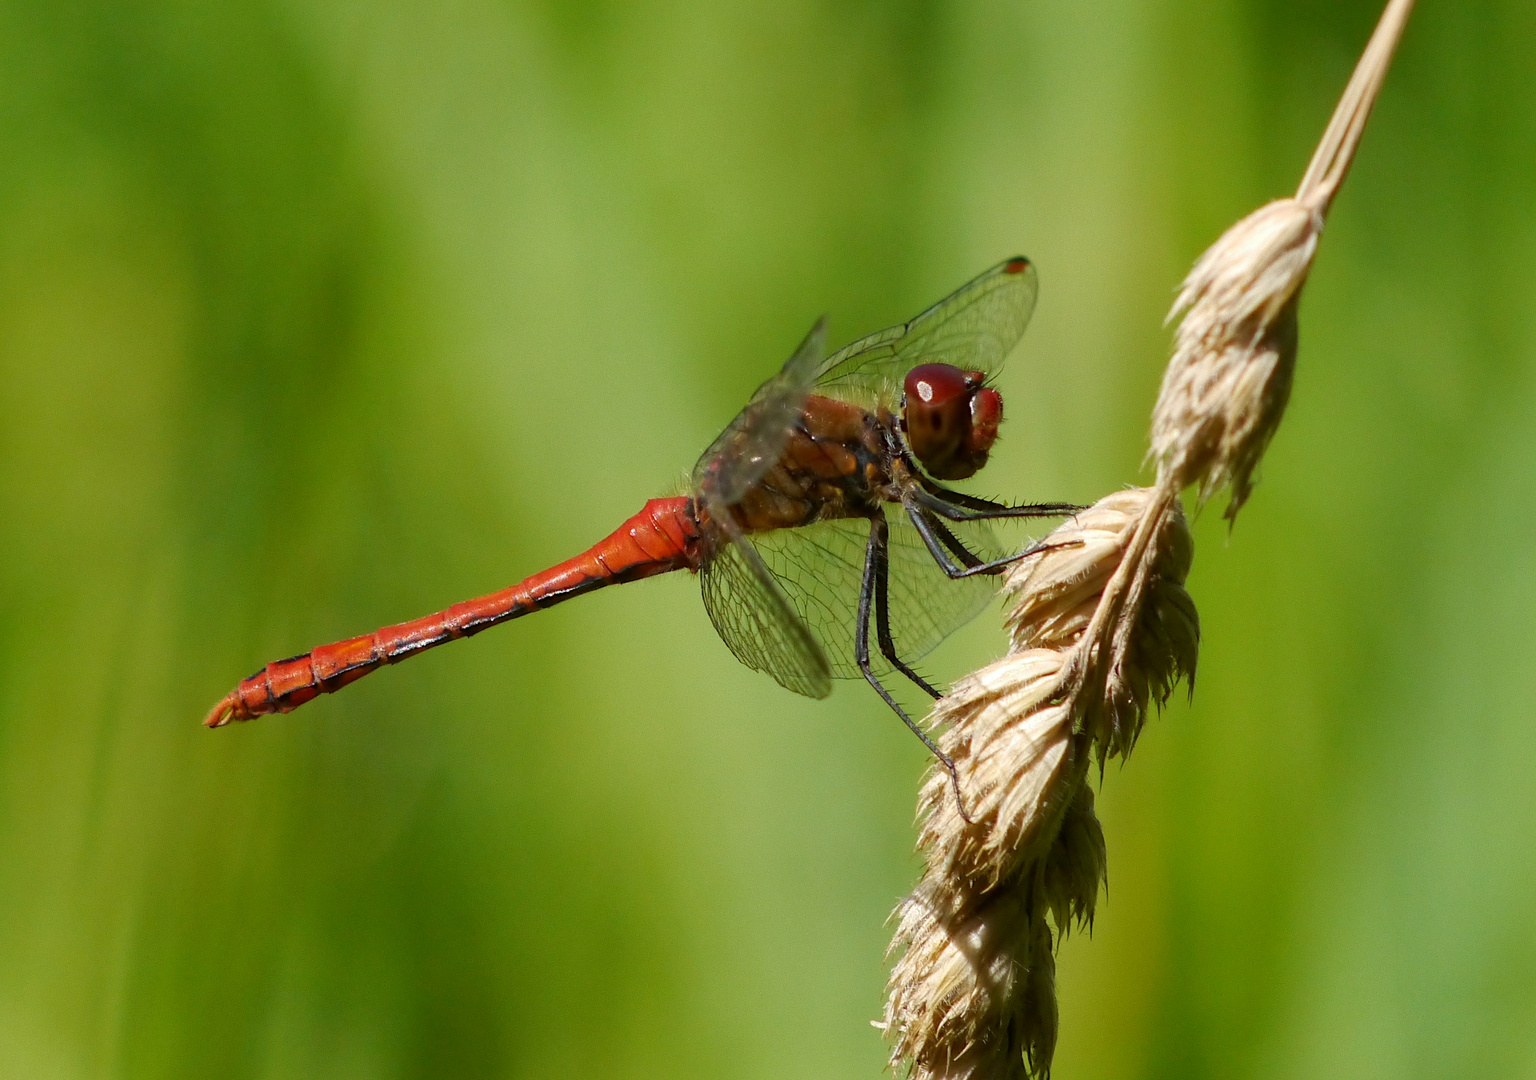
787, 524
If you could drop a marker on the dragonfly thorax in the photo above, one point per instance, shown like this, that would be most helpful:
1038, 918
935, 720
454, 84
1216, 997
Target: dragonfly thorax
835, 463
950, 418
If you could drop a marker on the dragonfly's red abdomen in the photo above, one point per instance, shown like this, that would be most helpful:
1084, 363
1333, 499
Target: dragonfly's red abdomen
663, 536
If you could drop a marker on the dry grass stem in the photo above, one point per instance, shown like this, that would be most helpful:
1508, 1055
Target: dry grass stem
1101, 628
1330, 163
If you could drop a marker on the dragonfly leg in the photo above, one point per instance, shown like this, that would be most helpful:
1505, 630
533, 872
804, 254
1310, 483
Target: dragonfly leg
882, 561
953, 543
873, 556
940, 541
957, 506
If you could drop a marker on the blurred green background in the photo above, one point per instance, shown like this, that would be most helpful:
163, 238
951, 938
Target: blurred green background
316, 316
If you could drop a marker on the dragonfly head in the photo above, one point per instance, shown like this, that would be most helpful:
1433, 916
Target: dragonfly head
950, 418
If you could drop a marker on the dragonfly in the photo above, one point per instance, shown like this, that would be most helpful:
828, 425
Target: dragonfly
820, 513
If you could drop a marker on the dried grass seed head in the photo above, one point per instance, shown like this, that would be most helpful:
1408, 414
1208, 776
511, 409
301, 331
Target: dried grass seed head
1101, 627
972, 995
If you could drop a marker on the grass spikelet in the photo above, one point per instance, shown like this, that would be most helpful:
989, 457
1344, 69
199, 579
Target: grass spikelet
1229, 379
1228, 382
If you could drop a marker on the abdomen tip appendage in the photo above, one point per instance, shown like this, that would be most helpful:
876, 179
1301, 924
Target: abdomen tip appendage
225, 711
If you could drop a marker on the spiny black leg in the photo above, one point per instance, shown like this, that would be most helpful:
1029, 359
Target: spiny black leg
967, 557
949, 508
927, 529
960, 498
975, 502
880, 535
861, 655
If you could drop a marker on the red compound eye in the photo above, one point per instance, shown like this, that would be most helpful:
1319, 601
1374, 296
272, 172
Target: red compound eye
986, 414
937, 385
951, 419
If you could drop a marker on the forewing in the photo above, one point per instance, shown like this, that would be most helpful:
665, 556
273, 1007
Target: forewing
974, 328
756, 620
750, 446
821, 566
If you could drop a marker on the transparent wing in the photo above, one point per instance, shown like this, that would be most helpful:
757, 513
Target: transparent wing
974, 328
821, 566
755, 619
750, 446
